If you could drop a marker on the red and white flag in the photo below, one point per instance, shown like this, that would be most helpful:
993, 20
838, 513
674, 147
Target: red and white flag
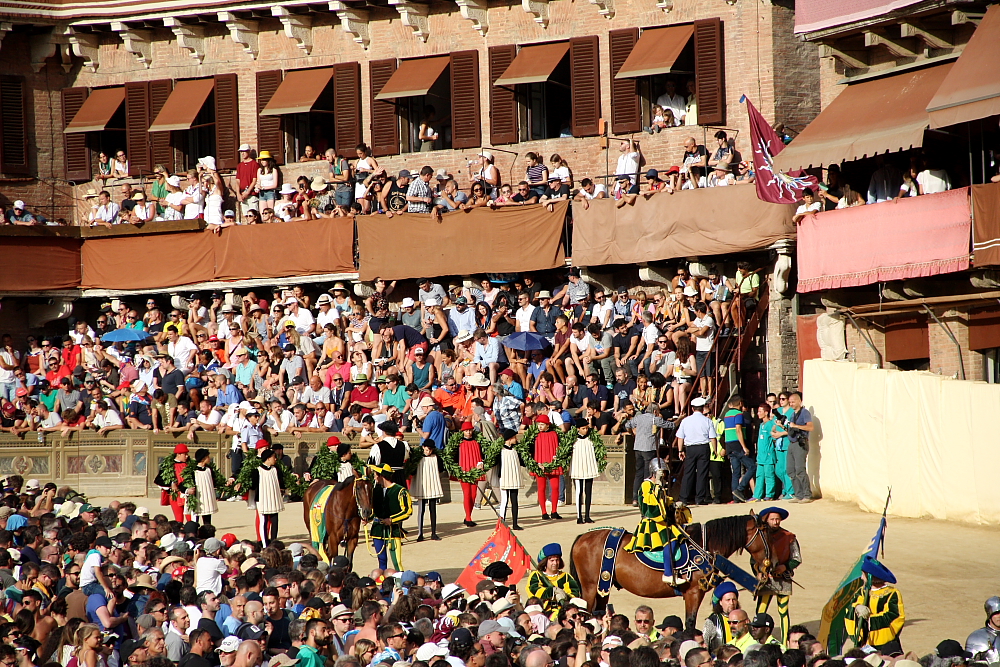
772, 185
501, 545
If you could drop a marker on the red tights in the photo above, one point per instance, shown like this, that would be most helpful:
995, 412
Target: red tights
553, 481
468, 498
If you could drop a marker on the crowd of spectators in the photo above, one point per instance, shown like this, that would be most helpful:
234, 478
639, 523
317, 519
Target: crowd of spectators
90, 587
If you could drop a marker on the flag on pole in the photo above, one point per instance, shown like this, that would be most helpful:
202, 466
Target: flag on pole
772, 185
833, 630
501, 545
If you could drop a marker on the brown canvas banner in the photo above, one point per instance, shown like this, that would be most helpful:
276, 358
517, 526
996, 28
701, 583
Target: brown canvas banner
282, 250
141, 262
35, 264
507, 240
707, 221
986, 224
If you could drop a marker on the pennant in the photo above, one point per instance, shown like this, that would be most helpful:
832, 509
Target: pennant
501, 545
772, 185
833, 630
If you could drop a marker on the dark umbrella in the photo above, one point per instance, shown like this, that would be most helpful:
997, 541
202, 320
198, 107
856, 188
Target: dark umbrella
526, 340
125, 336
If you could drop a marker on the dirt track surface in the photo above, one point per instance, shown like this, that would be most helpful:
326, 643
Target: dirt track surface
945, 571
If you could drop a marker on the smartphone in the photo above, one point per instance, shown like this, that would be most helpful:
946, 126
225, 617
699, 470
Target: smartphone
611, 609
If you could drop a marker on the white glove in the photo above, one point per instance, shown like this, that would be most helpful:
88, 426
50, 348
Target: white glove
560, 595
862, 612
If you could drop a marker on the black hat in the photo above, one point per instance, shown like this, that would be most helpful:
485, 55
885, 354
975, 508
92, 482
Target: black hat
574, 272
288, 347
762, 621
191, 527
128, 647
950, 648
671, 622
103, 541
389, 428
316, 603
340, 561
508, 433
364, 582
582, 422
498, 570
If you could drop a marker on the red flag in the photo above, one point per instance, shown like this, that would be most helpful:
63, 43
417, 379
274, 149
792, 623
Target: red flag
501, 545
772, 185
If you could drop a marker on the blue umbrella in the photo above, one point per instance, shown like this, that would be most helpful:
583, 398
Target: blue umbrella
125, 336
526, 340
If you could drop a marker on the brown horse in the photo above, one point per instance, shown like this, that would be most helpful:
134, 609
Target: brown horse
723, 536
346, 507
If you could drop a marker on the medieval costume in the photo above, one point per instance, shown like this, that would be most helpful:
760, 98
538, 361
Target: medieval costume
470, 458
207, 479
392, 505
392, 451
786, 555
878, 613
510, 476
174, 492
717, 630
583, 470
426, 488
546, 446
267, 486
550, 584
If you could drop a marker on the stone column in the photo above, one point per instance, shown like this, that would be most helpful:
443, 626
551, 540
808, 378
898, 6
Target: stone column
782, 342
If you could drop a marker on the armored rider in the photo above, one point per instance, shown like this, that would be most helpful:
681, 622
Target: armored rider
658, 520
984, 643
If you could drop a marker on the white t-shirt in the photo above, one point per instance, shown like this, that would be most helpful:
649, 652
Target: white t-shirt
814, 207
303, 320
331, 316
208, 574
649, 334
90, 563
598, 187
704, 343
327, 421
78, 337
181, 352
523, 317
582, 344
601, 313
628, 163
11, 359
109, 418
194, 209
211, 419
174, 198
562, 173
282, 424
934, 180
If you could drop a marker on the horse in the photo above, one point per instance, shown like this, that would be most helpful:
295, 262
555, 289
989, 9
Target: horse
723, 536
345, 508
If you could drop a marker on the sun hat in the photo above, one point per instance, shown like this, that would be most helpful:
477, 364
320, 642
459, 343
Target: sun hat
477, 380
426, 402
174, 180
318, 184
463, 336
430, 650
408, 302
264, 155
286, 189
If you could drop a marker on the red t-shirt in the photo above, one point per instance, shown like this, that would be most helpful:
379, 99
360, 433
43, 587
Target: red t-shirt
246, 172
368, 395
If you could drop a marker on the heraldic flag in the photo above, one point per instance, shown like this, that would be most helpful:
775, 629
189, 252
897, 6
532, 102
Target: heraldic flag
832, 630
772, 185
502, 545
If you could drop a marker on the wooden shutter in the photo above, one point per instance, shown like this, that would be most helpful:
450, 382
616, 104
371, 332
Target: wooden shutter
137, 121
269, 134
466, 124
586, 86
347, 105
160, 149
13, 126
625, 117
503, 100
984, 330
227, 121
385, 124
709, 72
77, 154
907, 338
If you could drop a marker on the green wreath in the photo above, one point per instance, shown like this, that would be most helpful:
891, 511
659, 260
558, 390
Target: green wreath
326, 465
294, 485
491, 455
564, 451
191, 502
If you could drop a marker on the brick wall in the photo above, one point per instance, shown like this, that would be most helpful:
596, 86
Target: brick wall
752, 33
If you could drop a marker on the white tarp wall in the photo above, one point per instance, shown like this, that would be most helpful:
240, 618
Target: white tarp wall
934, 440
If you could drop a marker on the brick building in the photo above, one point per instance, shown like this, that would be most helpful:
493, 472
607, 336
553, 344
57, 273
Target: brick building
921, 293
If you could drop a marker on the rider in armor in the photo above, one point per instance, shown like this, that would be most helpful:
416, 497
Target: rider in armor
984, 643
658, 517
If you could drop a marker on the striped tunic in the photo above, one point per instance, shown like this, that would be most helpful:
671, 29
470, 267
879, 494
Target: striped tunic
268, 488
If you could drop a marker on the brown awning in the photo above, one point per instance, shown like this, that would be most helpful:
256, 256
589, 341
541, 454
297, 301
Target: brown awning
877, 116
656, 51
183, 105
298, 91
97, 110
414, 77
972, 89
533, 64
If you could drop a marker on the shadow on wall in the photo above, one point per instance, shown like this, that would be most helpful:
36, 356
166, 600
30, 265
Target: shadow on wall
815, 454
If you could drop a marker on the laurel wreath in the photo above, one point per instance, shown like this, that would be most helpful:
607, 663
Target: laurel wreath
326, 465
564, 451
192, 503
449, 457
294, 485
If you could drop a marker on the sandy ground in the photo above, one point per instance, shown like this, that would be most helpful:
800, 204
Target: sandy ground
945, 571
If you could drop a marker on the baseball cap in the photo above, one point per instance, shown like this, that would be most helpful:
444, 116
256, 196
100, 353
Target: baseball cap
102, 541
488, 626
129, 647
404, 173
762, 621
429, 650
212, 545
244, 147
229, 645
19, 204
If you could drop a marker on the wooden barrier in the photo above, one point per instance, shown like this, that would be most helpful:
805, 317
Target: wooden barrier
125, 462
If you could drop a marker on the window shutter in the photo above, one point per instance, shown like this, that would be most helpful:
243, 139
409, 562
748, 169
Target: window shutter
385, 124
586, 88
347, 105
137, 123
466, 124
709, 72
227, 121
77, 153
625, 117
13, 126
160, 149
503, 101
269, 134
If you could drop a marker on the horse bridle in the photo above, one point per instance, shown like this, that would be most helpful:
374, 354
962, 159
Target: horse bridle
767, 547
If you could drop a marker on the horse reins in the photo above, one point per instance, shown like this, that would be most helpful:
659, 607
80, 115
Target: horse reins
767, 550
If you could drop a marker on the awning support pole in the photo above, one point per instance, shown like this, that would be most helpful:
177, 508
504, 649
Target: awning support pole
958, 348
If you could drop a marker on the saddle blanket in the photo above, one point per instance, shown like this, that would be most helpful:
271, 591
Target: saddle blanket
317, 521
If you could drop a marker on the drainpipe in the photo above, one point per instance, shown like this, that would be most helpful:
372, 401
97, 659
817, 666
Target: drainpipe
958, 348
866, 338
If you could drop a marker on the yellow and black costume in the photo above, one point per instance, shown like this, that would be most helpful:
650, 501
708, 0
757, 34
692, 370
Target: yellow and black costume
656, 526
552, 589
878, 613
392, 503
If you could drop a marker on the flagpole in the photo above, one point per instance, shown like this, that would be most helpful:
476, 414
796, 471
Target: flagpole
500, 518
